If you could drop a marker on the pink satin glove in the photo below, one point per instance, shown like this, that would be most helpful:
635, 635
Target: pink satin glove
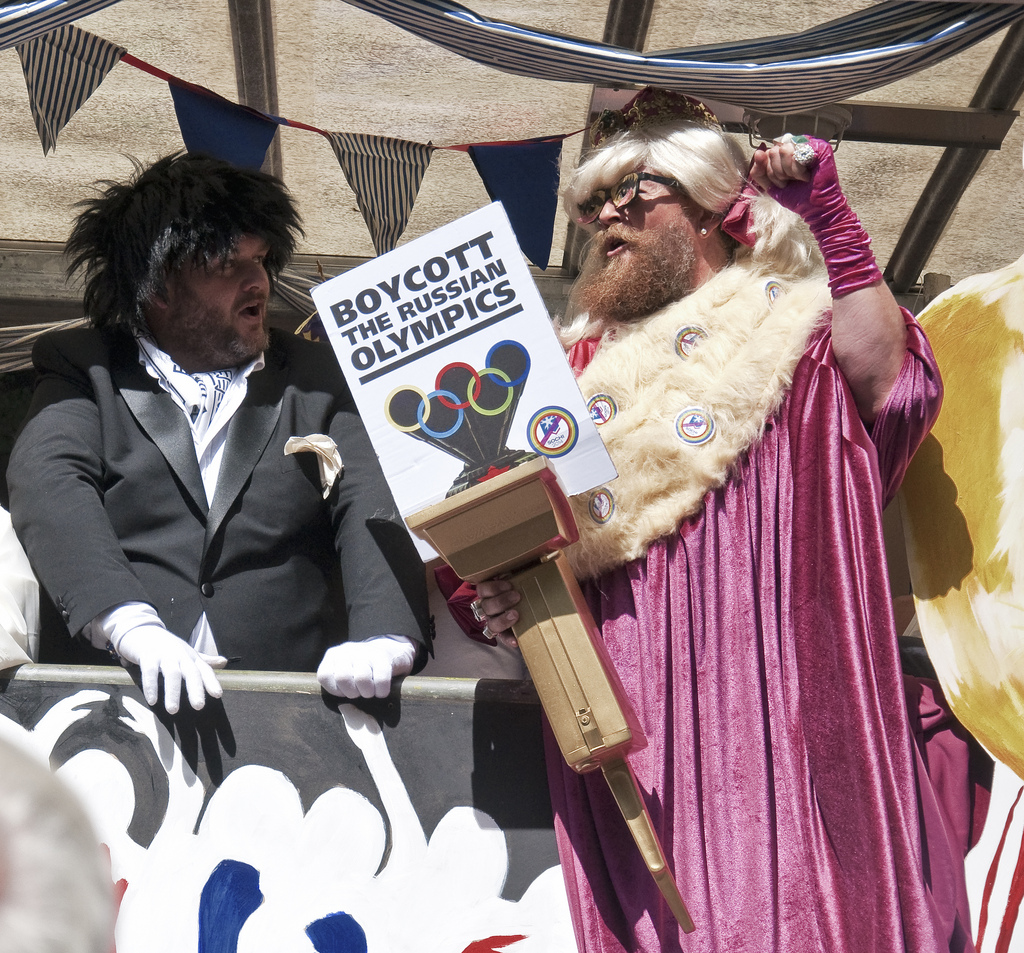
820, 202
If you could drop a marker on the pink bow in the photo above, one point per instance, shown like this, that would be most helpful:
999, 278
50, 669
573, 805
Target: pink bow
739, 220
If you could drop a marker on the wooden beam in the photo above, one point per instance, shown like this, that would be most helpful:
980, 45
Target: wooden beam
626, 25
252, 39
899, 123
35, 290
1000, 88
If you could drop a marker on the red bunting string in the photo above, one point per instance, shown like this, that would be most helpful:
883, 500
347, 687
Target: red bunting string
281, 120
385, 198
514, 142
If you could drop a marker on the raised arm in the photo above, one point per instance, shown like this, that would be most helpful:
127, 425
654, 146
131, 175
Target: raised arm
868, 330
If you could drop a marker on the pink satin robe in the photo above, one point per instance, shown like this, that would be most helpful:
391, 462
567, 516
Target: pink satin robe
758, 647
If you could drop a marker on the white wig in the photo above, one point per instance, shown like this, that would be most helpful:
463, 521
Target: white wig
712, 169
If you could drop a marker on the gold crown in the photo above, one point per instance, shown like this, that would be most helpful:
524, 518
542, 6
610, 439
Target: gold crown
650, 107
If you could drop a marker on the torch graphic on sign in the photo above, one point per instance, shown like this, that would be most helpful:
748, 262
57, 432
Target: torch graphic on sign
469, 412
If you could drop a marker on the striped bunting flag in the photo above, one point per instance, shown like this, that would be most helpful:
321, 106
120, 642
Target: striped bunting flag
20, 22
62, 70
850, 55
385, 175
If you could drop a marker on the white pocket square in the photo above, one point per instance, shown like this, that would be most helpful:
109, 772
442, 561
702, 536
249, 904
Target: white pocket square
327, 456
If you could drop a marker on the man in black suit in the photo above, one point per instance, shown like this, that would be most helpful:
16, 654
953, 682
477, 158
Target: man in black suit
151, 485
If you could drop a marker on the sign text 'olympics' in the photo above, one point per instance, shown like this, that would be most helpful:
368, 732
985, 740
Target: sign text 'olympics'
425, 303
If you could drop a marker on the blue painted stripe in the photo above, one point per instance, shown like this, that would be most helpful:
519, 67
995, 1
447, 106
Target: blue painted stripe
230, 896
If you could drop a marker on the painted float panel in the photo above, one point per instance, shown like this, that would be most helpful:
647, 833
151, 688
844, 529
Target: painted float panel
278, 818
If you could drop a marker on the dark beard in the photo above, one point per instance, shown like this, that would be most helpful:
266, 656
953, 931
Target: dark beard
659, 270
206, 340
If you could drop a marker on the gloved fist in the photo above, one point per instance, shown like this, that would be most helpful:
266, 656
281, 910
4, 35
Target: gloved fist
365, 669
159, 652
811, 189
808, 187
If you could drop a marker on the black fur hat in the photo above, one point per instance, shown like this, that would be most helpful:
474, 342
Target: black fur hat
182, 209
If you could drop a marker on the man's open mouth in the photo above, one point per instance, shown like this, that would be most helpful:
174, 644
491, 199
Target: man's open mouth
613, 243
254, 311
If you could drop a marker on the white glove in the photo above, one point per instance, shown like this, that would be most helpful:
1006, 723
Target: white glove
365, 669
159, 652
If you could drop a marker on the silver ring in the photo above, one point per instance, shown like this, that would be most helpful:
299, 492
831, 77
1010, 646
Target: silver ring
803, 153
487, 633
478, 610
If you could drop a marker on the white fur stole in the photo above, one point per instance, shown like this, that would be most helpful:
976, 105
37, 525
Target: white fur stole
676, 422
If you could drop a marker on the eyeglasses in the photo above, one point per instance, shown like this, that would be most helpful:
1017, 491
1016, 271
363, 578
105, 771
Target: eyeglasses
622, 193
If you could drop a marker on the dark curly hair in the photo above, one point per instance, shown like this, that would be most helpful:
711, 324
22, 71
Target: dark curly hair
184, 208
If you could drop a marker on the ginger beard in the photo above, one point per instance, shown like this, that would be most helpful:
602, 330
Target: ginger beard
659, 268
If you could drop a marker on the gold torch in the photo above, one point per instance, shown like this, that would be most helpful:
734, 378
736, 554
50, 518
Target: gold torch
518, 523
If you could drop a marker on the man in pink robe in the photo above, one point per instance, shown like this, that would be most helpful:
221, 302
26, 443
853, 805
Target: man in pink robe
755, 635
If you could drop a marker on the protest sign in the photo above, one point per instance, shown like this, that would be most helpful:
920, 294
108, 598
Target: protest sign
453, 363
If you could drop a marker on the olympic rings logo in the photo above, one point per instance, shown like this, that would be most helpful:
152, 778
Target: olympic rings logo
459, 388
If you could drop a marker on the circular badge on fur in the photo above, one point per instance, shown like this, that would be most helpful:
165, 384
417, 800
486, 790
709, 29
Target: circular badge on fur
602, 408
772, 290
553, 431
601, 505
688, 338
695, 426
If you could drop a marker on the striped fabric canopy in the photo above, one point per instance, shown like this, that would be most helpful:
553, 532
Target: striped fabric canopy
20, 22
851, 55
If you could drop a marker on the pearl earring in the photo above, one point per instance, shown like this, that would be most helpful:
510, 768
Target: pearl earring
703, 231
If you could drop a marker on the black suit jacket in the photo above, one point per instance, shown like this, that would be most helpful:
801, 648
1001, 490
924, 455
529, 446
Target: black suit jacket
107, 498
